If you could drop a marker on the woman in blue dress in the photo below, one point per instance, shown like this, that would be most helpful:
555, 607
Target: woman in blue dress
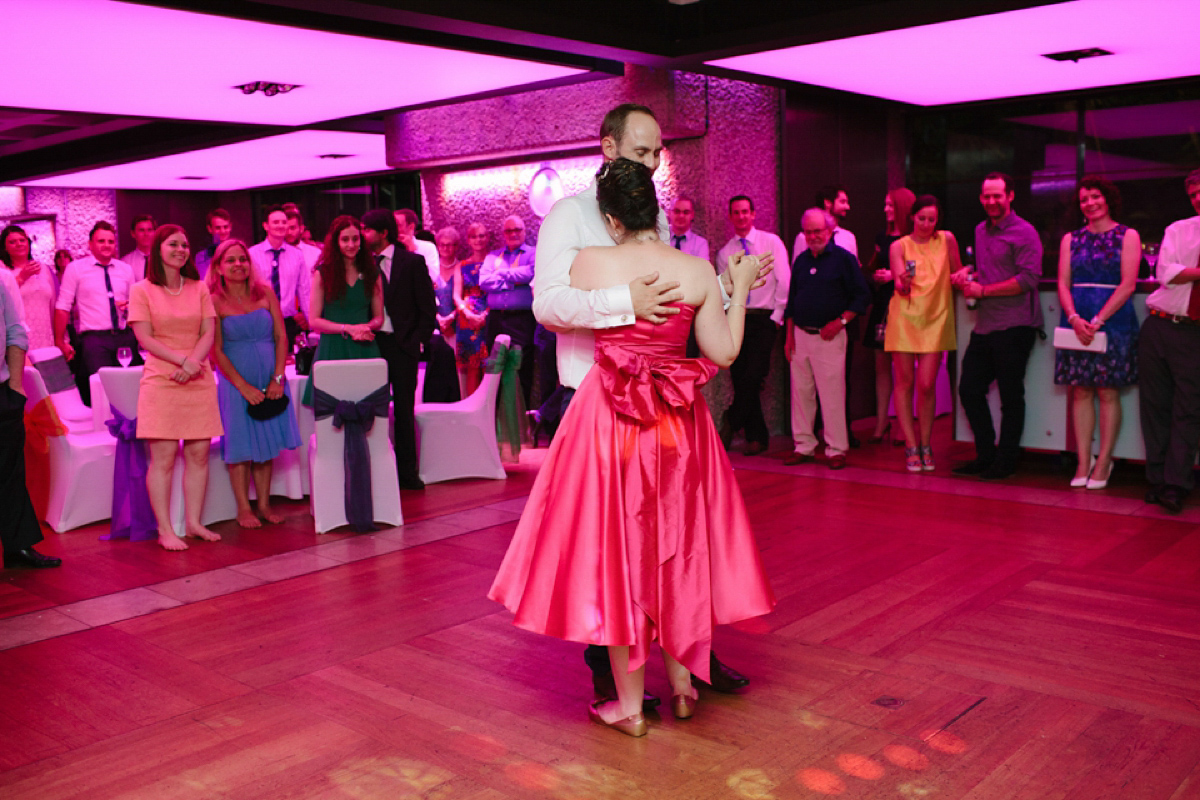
250, 350
1097, 273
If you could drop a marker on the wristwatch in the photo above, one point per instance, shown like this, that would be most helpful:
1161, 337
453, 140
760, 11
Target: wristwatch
279, 379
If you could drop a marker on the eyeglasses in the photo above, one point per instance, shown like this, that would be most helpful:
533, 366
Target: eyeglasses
808, 232
514, 230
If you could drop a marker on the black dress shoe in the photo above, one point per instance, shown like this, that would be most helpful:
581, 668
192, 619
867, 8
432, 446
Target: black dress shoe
998, 470
605, 690
30, 558
976, 467
723, 678
1171, 499
1152, 494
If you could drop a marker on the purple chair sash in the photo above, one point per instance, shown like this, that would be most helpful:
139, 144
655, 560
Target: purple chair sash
356, 419
132, 516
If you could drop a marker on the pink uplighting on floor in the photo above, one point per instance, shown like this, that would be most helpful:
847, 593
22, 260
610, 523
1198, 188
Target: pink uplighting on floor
123, 58
999, 55
274, 160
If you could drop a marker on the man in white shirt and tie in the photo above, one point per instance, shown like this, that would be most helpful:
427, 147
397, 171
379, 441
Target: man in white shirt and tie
764, 315
282, 267
628, 131
683, 238
97, 288
141, 228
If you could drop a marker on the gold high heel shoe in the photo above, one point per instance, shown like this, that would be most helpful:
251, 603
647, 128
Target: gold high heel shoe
683, 706
634, 725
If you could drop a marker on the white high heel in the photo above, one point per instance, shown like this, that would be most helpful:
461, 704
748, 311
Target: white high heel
1079, 483
1100, 484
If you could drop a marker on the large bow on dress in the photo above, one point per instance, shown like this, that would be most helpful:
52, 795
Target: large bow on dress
507, 361
355, 418
132, 516
636, 382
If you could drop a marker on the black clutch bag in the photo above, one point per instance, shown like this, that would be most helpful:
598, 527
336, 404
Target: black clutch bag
269, 408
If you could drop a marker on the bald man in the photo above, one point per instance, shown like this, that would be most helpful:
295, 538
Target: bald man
506, 276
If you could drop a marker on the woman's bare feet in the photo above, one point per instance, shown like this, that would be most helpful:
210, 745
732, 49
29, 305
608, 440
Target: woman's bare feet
267, 513
201, 532
169, 541
248, 519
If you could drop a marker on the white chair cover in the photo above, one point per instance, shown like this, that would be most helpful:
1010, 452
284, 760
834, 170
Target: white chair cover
121, 388
67, 402
350, 380
81, 468
458, 440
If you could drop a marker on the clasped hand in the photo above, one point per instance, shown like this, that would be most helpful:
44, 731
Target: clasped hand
360, 333
188, 370
743, 272
1084, 330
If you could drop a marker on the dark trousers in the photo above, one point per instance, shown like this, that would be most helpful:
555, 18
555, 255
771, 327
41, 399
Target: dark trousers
748, 373
99, 349
1000, 356
402, 375
441, 372
291, 329
520, 326
19, 527
1169, 391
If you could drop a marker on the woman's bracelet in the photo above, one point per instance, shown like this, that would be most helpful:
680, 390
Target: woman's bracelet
1071, 319
1097, 322
731, 303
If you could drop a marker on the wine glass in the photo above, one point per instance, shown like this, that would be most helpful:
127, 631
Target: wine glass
124, 356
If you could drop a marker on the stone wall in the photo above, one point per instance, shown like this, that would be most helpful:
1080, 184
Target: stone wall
722, 138
76, 210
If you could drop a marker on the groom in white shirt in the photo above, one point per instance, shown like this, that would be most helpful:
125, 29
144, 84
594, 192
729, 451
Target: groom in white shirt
628, 131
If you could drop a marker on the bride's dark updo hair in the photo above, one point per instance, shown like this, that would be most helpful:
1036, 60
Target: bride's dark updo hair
625, 191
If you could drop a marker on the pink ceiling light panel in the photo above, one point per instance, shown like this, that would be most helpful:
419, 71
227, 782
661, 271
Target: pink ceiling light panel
274, 160
999, 55
123, 58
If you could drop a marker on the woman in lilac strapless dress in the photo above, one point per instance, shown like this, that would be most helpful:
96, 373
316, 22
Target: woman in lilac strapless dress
635, 529
250, 350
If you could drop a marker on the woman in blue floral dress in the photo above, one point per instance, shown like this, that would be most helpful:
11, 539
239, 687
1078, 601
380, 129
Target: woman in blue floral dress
1097, 273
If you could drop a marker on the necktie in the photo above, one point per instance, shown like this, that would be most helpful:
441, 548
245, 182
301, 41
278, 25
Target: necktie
745, 246
112, 300
1193, 311
379, 263
678, 240
275, 272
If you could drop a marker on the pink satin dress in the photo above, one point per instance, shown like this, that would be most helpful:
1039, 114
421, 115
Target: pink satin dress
635, 528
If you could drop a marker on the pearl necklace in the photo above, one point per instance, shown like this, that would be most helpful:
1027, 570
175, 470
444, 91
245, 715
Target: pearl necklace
178, 291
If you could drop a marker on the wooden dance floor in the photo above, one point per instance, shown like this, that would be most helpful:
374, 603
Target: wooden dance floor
936, 637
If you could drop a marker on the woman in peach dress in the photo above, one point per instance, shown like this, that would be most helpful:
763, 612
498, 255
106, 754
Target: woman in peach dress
172, 315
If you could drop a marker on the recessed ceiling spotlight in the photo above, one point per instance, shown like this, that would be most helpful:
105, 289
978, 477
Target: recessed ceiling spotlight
335, 156
193, 177
1078, 55
267, 88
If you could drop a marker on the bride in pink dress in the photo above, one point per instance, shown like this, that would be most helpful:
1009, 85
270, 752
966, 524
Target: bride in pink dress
635, 529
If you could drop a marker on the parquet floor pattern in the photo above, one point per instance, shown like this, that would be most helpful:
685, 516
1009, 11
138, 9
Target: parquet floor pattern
935, 638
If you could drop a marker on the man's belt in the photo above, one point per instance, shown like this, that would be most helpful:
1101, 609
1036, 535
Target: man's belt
1178, 319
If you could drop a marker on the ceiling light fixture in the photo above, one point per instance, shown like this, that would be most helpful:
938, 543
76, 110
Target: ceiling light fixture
335, 156
267, 88
193, 177
1078, 55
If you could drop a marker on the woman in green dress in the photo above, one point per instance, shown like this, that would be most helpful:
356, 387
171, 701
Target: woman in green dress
347, 298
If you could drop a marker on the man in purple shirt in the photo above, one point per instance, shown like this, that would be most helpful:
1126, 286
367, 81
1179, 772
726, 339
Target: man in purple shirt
1008, 253
506, 276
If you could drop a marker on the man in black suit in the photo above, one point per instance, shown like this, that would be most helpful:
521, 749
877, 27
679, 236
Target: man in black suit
408, 323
